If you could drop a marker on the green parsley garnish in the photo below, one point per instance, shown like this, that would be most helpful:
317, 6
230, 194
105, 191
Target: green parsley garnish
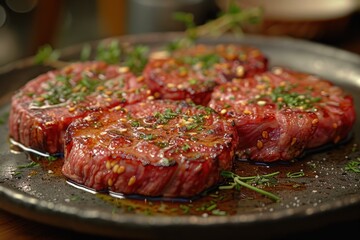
63, 90
206, 61
134, 123
284, 98
164, 118
185, 147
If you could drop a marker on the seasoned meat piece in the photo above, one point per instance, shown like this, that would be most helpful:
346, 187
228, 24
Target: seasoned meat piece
159, 148
281, 113
43, 108
193, 73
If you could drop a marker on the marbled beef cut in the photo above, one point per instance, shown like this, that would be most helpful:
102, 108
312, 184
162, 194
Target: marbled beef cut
281, 113
192, 73
43, 108
158, 148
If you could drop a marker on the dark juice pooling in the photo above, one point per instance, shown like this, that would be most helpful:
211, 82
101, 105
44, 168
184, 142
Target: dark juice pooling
212, 202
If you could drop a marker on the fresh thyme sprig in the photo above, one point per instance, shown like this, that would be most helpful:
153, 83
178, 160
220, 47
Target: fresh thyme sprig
250, 183
232, 20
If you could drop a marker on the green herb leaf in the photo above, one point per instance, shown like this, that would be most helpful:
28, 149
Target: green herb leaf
353, 166
46, 53
109, 52
285, 98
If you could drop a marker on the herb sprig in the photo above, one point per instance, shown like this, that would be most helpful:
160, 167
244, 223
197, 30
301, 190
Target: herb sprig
233, 20
295, 174
353, 166
250, 182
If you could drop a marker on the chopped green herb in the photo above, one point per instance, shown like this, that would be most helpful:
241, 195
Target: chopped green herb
134, 123
226, 105
185, 147
284, 98
28, 165
63, 90
46, 53
192, 81
295, 174
148, 212
353, 166
184, 208
166, 162
218, 212
211, 207
206, 61
147, 137
163, 118
162, 144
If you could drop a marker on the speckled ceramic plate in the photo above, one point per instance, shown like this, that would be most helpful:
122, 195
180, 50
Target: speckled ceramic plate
327, 193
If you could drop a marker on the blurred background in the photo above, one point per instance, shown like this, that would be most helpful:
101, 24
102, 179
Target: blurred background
25, 25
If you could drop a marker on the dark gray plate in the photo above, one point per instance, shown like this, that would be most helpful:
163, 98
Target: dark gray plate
327, 193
